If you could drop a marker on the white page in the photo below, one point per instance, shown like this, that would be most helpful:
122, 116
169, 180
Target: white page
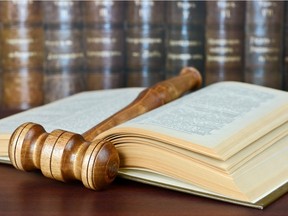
76, 113
207, 116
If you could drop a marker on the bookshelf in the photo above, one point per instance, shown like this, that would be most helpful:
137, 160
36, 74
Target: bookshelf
52, 49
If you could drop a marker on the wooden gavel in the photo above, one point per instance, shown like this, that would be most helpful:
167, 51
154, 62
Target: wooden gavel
64, 156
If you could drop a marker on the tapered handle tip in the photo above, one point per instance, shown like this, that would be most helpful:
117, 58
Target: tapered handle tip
197, 78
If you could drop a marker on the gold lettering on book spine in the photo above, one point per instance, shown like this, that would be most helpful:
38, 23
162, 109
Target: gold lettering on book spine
185, 43
184, 56
144, 40
265, 49
147, 54
22, 2
104, 54
56, 43
225, 8
101, 40
267, 9
23, 54
20, 41
223, 50
65, 56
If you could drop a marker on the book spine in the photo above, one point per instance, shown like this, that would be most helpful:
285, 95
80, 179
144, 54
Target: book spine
22, 54
285, 59
185, 35
65, 58
145, 40
264, 41
104, 44
1, 71
225, 25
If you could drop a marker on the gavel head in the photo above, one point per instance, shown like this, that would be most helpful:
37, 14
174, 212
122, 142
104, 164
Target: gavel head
64, 155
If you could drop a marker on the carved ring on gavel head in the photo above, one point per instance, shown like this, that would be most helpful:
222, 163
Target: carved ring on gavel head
65, 156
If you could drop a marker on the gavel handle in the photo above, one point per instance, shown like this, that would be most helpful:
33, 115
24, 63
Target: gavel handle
64, 156
149, 99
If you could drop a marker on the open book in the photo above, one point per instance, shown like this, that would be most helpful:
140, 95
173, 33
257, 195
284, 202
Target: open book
227, 141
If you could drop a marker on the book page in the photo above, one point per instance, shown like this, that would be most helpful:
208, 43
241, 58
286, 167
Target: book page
5, 160
76, 113
210, 115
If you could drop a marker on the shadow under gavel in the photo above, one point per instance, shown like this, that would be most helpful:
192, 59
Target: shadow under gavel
64, 156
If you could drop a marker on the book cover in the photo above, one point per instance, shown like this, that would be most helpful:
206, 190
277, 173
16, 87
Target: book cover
285, 58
